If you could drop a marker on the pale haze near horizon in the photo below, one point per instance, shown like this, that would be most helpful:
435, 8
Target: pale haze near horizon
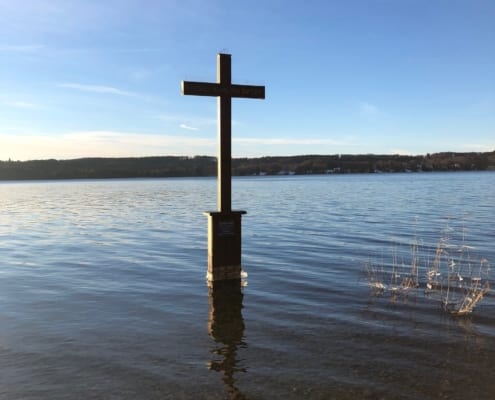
102, 79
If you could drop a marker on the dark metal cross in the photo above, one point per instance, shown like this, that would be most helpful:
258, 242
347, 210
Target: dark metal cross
224, 90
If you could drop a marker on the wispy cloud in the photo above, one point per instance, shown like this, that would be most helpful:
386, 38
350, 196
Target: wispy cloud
194, 120
21, 104
23, 48
97, 89
140, 74
191, 123
402, 152
290, 141
479, 147
100, 144
190, 128
282, 146
368, 109
140, 50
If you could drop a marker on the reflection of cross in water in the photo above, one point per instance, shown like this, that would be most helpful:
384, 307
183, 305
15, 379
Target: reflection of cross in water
226, 326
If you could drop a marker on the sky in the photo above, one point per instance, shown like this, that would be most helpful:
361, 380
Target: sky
86, 78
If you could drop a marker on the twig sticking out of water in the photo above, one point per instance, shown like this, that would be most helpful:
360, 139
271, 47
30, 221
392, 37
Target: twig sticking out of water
451, 277
472, 292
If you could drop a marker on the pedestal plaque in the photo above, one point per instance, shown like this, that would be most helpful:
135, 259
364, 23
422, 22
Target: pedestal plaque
224, 245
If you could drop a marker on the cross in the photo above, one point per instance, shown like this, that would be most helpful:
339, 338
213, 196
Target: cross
224, 90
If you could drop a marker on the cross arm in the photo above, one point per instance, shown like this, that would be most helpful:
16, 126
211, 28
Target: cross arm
218, 90
201, 88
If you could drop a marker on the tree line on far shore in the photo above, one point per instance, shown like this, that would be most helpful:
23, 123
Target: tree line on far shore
172, 166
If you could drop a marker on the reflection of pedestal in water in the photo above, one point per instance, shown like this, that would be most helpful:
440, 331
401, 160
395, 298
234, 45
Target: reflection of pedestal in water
226, 328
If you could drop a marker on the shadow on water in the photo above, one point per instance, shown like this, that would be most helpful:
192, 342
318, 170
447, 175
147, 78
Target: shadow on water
226, 328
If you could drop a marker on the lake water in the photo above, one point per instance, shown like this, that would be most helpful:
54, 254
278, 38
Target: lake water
103, 292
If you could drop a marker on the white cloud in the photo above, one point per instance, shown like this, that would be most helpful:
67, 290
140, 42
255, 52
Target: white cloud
402, 152
97, 89
101, 144
140, 74
190, 128
280, 146
368, 109
196, 121
21, 104
285, 141
98, 143
140, 50
478, 147
23, 48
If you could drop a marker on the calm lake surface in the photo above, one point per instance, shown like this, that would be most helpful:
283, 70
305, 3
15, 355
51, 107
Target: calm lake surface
103, 292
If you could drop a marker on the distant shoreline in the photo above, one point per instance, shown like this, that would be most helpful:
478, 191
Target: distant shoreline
200, 166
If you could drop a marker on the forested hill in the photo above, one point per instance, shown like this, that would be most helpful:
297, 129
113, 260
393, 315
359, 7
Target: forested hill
206, 166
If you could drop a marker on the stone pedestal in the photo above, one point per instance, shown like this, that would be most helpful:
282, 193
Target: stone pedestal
224, 245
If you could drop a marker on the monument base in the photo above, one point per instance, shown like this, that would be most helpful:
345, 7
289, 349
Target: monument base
224, 245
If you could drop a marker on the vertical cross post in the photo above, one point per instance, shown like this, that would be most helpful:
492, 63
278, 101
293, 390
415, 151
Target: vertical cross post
224, 225
224, 79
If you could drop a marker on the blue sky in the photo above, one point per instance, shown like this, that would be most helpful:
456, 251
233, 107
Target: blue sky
85, 78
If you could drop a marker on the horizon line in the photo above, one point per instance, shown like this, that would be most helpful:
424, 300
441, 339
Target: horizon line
254, 157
